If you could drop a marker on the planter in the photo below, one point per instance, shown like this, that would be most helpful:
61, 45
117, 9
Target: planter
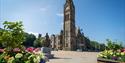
101, 60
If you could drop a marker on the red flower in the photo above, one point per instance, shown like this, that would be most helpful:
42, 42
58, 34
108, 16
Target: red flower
30, 49
122, 50
1, 50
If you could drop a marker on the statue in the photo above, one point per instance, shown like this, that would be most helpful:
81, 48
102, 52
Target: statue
46, 41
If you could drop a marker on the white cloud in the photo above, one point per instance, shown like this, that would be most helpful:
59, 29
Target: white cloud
45, 8
36, 34
60, 14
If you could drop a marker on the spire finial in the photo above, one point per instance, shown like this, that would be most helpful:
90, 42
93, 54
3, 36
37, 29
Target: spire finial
69, 0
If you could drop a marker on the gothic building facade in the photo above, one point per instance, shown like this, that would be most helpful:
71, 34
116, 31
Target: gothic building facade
70, 38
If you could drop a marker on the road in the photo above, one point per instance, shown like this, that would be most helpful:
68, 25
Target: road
73, 57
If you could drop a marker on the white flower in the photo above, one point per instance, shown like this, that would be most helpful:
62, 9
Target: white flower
18, 55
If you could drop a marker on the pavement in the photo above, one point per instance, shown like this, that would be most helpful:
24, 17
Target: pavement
73, 57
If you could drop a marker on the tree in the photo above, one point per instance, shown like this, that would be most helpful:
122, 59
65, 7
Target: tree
29, 39
12, 35
113, 45
1, 31
102, 47
39, 41
96, 46
87, 43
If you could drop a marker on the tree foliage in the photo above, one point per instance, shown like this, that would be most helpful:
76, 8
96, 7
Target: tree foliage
87, 43
12, 35
113, 45
29, 39
39, 41
96, 46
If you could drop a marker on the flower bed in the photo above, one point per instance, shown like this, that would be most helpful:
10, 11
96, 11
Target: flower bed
12, 37
30, 55
112, 56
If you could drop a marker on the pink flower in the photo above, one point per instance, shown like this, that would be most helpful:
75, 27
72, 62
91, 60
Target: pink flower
37, 49
30, 49
1, 50
16, 50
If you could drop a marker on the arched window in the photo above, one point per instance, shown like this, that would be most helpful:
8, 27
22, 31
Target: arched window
67, 17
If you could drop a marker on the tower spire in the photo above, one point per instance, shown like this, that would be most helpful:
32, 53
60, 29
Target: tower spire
69, 26
69, 1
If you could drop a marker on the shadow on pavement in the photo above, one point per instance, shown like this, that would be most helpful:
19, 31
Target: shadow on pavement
60, 58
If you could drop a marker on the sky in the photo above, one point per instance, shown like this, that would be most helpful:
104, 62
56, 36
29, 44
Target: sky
98, 19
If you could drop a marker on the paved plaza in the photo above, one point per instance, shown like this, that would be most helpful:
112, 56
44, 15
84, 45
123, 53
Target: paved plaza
73, 57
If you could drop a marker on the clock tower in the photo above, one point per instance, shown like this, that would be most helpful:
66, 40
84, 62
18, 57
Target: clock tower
69, 26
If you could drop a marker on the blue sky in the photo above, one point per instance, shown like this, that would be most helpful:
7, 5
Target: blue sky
99, 19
